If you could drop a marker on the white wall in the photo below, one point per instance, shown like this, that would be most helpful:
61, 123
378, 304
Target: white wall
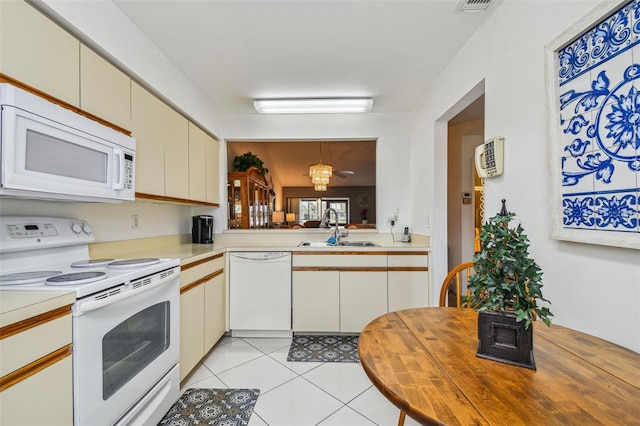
392, 148
595, 289
111, 222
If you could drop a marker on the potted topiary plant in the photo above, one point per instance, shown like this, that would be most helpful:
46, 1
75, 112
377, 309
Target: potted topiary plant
242, 162
505, 289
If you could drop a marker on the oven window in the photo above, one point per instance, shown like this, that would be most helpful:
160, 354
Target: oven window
132, 345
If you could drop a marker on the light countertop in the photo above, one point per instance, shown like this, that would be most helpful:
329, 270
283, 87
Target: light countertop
181, 248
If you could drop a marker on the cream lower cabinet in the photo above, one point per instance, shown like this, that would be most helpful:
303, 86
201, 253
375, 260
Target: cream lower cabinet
316, 301
363, 297
191, 328
408, 280
214, 312
338, 291
36, 383
202, 309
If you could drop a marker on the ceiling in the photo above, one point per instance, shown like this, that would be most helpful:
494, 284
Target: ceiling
237, 50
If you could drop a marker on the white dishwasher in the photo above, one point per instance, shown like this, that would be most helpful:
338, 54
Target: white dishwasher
260, 294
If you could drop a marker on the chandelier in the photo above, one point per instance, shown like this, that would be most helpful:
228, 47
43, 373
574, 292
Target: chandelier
320, 174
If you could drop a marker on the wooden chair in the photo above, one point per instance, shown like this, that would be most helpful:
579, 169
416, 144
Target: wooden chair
456, 277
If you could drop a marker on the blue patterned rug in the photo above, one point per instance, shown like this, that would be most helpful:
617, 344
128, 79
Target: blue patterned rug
219, 407
316, 348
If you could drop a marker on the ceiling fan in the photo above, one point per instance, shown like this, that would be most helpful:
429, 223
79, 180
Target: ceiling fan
343, 173
340, 173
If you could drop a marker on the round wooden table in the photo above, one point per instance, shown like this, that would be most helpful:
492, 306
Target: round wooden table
424, 361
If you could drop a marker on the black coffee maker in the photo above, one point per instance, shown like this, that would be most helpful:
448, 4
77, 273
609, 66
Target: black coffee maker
202, 229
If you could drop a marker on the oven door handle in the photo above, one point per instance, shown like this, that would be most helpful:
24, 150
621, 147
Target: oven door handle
92, 305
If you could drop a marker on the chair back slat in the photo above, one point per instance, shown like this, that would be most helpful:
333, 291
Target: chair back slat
457, 274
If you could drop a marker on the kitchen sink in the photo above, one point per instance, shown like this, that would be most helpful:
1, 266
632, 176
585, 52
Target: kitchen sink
340, 244
314, 244
358, 244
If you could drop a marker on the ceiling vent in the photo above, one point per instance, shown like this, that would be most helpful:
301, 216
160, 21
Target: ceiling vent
473, 5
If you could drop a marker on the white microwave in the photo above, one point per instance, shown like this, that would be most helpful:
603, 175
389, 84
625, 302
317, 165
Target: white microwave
50, 152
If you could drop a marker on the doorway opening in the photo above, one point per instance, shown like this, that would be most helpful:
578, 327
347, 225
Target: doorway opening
465, 132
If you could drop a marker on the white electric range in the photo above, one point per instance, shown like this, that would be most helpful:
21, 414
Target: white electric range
125, 320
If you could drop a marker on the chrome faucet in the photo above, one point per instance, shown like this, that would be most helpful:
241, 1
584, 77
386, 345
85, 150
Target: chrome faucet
326, 217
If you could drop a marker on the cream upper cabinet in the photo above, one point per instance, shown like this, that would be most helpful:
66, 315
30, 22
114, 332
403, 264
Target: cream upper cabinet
197, 163
162, 146
38, 53
213, 170
146, 118
105, 91
204, 176
176, 155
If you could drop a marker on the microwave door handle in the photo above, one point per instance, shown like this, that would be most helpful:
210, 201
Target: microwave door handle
118, 154
118, 180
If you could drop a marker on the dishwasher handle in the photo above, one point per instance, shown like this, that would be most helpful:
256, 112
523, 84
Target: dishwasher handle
261, 256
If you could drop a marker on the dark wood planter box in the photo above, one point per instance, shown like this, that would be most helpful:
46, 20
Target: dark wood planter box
501, 338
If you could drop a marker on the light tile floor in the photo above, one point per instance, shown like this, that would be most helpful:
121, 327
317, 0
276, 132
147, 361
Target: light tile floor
294, 393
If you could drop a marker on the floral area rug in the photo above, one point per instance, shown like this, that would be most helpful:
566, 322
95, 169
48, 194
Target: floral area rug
316, 348
219, 407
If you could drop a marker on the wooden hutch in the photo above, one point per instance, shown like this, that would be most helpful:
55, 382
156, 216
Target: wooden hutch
248, 196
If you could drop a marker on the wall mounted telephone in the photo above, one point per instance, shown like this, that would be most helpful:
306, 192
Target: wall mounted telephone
490, 158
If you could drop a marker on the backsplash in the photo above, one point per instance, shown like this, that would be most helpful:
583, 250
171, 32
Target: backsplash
111, 222
599, 101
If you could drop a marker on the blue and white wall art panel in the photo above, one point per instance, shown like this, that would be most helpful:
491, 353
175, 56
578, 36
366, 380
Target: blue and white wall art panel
593, 81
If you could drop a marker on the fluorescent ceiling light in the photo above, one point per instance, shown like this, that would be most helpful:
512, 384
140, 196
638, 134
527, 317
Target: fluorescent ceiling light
313, 106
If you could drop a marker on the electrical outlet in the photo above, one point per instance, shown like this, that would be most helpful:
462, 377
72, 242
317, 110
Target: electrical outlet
134, 221
391, 221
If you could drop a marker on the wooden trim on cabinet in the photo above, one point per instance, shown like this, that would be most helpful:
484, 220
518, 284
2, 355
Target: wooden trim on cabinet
30, 369
362, 253
408, 253
201, 261
213, 275
6, 79
20, 326
408, 268
202, 280
175, 200
190, 286
339, 268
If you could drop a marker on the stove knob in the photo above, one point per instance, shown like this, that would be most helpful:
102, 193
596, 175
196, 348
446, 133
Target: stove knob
76, 228
86, 228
